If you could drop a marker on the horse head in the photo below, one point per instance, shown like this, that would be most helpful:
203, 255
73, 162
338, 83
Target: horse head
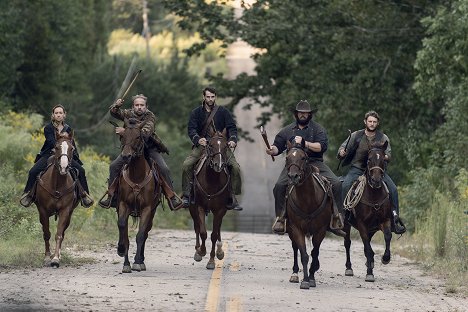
216, 148
132, 140
63, 152
376, 164
296, 162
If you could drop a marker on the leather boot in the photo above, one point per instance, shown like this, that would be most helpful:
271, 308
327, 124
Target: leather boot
175, 203
26, 199
86, 200
398, 226
105, 203
233, 204
279, 227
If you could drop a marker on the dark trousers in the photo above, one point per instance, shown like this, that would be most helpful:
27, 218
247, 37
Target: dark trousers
118, 163
279, 191
353, 175
41, 165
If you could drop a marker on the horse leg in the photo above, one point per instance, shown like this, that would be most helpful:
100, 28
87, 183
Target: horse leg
388, 237
299, 239
347, 244
196, 227
217, 220
219, 243
146, 223
122, 247
369, 253
63, 223
294, 277
44, 219
203, 233
315, 265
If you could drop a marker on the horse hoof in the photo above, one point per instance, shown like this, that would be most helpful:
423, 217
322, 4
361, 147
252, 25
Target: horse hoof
385, 260
349, 272
55, 264
312, 283
220, 255
136, 267
294, 278
126, 269
305, 285
370, 278
47, 262
143, 267
210, 265
197, 257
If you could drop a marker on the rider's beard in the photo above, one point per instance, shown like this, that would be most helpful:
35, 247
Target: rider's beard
138, 112
304, 122
210, 104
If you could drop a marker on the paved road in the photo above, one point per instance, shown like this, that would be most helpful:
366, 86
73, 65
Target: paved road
253, 276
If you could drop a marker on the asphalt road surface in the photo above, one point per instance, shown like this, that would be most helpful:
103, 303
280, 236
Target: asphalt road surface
253, 276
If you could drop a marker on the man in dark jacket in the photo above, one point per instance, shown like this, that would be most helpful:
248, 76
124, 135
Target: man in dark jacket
154, 147
314, 137
57, 126
221, 120
356, 156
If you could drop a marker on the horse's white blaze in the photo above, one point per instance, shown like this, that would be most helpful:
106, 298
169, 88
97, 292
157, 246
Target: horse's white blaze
64, 158
294, 153
219, 150
378, 156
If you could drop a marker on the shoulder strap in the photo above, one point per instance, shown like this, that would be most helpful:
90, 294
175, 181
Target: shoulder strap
209, 120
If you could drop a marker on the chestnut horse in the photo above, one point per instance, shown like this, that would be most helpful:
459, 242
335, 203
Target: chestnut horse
372, 213
211, 189
139, 195
56, 195
309, 209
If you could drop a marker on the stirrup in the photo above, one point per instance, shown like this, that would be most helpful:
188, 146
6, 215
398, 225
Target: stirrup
102, 204
276, 231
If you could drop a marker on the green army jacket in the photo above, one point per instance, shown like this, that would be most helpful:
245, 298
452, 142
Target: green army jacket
149, 121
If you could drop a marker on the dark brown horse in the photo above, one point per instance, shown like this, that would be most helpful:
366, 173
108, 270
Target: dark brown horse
211, 189
309, 210
139, 195
372, 213
56, 195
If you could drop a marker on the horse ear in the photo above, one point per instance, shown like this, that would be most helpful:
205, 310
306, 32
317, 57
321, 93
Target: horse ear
289, 145
224, 132
72, 134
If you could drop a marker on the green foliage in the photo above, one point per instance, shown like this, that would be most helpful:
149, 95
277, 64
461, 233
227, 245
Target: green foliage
440, 237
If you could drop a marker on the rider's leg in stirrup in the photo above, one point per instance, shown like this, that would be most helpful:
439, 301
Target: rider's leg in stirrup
187, 174
236, 182
114, 171
279, 192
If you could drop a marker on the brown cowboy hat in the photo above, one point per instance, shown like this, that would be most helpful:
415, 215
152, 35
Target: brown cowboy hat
304, 107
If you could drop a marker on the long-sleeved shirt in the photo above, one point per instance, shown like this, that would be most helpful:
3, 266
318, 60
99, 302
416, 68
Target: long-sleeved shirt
222, 120
313, 132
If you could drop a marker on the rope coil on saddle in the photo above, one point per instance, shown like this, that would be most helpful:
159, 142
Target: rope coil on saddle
355, 193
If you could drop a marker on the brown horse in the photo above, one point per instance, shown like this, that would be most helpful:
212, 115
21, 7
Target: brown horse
372, 213
211, 189
309, 210
139, 195
56, 195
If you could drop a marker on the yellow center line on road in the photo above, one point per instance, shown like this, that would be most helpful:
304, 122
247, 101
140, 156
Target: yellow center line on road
212, 298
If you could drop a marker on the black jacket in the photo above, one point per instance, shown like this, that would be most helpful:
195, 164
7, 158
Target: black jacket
313, 132
222, 120
49, 144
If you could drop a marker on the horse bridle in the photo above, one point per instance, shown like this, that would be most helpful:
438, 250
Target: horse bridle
58, 157
303, 171
368, 171
211, 155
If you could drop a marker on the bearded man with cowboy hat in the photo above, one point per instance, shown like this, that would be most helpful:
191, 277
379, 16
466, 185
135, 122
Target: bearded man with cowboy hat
313, 137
